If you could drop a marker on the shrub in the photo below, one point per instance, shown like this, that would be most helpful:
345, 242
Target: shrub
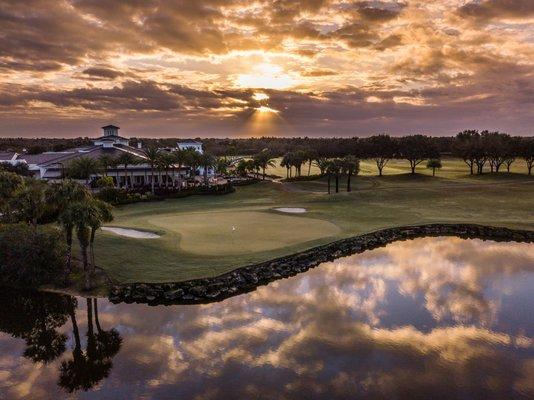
31, 255
113, 195
104, 182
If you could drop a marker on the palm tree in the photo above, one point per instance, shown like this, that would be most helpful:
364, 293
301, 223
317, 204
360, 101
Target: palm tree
165, 162
106, 161
351, 166
83, 168
126, 159
152, 156
192, 160
62, 195
287, 163
334, 167
87, 214
264, 160
222, 164
206, 161
105, 215
29, 201
180, 158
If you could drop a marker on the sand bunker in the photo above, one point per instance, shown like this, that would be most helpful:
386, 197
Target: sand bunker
131, 233
292, 210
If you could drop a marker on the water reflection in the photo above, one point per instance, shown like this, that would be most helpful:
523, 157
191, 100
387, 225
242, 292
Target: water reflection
428, 318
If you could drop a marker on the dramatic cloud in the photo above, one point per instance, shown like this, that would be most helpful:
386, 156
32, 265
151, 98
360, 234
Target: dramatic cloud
328, 66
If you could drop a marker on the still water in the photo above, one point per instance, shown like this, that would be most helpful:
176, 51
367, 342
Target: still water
429, 318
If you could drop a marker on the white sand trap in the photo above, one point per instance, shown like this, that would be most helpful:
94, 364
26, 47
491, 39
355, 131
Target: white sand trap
131, 233
291, 210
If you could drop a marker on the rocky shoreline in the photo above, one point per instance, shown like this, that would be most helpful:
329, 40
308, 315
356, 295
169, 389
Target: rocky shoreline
248, 278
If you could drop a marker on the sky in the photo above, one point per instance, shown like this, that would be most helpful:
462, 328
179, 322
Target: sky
241, 68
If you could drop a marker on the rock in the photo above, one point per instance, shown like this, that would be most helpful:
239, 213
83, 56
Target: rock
262, 273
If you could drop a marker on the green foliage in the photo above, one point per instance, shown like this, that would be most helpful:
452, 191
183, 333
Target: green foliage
105, 182
31, 255
19, 169
83, 168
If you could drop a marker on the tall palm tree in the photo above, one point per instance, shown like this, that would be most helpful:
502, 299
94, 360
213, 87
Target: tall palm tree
206, 161
86, 215
126, 159
287, 162
152, 155
264, 160
166, 161
105, 215
192, 160
350, 166
180, 158
63, 194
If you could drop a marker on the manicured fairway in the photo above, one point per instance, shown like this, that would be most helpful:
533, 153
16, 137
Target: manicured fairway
209, 235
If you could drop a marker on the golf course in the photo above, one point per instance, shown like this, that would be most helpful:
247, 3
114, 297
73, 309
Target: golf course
201, 236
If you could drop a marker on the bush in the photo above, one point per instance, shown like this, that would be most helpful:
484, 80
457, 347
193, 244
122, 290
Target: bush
104, 182
113, 195
31, 255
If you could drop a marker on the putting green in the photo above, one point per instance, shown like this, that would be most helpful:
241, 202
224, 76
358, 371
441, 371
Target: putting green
240, 232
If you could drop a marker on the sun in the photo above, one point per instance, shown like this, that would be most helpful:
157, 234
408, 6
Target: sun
266, 76
265, 109
258, 96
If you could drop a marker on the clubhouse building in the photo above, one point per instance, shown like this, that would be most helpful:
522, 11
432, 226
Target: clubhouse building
52, 165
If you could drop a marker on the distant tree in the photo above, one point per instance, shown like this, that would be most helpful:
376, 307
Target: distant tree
433, 164
350, 166
287, 163
36, 149
527, 152
311, 156
416, 149
464, 147
334, 168
497, 146
322, 163
264, 160
381, 148
223, 164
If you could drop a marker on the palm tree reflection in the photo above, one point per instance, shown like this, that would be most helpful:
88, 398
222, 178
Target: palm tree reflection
89, 367
36, 317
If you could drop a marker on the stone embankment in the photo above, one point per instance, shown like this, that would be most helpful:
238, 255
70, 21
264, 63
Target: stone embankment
250, 277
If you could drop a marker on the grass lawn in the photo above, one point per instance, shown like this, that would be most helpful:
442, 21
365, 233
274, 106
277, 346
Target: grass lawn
208, 235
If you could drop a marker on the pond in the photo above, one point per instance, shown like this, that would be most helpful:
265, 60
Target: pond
426, 318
